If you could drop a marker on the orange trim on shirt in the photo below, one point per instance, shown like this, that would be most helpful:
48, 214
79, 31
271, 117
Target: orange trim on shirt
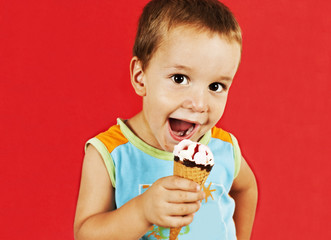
112, 138
221, 134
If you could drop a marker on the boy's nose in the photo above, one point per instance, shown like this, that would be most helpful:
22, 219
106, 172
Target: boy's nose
197, 101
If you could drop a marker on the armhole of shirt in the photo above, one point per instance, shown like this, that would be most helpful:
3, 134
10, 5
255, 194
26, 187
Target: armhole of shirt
102, 149
237, 155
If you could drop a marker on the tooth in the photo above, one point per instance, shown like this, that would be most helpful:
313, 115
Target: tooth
180, 133
192, 129
189, 130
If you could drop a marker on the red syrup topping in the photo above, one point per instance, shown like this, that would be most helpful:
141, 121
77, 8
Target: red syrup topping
196, 149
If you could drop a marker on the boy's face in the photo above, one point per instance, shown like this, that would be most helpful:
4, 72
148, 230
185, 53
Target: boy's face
186, 86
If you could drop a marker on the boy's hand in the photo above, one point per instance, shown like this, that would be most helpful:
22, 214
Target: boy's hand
171, 202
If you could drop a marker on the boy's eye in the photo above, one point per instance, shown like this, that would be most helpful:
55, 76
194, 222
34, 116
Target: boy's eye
179, 79
216, 87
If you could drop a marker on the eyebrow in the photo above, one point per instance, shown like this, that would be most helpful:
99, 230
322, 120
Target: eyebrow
180, 67
226, 78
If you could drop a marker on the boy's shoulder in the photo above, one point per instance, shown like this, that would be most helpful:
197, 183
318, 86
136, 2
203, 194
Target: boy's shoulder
221, 134
112, 138
225, 136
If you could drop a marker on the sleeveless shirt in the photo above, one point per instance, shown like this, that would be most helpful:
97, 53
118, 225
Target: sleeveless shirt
133, 166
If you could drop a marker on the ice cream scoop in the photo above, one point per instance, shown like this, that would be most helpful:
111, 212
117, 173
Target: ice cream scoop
194, 154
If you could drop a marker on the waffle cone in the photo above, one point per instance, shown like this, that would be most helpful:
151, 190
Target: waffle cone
174, 233
192, 173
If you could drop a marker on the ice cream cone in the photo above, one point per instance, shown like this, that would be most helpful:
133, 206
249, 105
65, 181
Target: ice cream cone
192, 161
174, 233
195, 174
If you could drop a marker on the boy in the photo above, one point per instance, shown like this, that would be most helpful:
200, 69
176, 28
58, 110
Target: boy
186, 55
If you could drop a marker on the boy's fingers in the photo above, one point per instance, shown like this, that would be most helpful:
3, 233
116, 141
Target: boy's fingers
178, 196
179, 183
180, 221
183, 209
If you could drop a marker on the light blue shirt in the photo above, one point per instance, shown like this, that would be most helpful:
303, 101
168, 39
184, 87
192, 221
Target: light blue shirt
133, 166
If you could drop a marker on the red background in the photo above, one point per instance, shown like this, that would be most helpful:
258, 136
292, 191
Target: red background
64, 77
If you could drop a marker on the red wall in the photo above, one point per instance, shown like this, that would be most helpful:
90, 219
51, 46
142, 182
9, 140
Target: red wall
64, 78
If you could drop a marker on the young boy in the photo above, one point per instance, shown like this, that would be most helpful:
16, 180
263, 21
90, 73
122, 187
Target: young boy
186, 55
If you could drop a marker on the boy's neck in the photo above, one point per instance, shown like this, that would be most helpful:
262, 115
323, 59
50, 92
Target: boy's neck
138, 125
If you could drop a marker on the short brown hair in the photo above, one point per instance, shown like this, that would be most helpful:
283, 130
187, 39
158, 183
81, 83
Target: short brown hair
159, 16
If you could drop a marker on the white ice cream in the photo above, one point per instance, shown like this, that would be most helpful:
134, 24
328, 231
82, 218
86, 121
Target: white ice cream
187, 149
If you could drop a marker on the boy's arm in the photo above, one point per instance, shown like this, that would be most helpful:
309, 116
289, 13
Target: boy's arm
169, 202
244, 192
94, 218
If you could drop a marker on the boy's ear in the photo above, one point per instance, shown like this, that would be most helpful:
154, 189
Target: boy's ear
137, 76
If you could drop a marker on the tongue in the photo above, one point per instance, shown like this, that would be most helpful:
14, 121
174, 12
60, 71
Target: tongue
179, 125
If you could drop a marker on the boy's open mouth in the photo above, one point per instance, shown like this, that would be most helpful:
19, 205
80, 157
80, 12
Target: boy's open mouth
180, 129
